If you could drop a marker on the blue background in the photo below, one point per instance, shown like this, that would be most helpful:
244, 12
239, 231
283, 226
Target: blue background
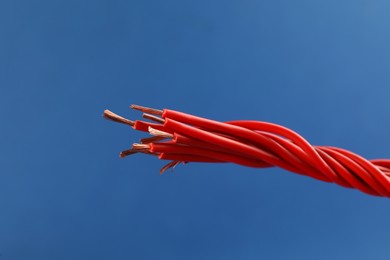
321, 68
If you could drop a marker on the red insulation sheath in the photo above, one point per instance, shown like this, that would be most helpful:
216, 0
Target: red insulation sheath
224, 142
187, 158
183, 140
169, 148
294, 137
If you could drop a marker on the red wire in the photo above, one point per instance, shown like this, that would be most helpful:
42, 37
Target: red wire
252, 144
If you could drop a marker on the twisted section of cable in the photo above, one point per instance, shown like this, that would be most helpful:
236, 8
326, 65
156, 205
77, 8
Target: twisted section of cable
182, 138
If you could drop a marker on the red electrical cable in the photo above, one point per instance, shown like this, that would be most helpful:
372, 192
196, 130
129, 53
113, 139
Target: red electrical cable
183, 138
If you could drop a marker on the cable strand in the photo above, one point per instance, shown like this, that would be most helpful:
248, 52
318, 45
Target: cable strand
184, 138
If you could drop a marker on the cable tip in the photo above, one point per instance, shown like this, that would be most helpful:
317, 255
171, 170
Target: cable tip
170, 165
140, 147
116, 118
149, 110
125, 153
159, 133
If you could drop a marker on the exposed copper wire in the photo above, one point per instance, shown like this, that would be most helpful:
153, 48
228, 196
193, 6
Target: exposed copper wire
152, 139
149, 110
140, 147
153, 118
125, 153
116, 118
159, 133
128, 152
169, 165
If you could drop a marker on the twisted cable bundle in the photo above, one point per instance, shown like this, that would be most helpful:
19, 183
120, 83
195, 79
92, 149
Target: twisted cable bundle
183, 138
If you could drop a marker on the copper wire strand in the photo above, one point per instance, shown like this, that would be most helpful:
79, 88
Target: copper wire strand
137, 148
152, 139
153, 118
149, 110
140, 147
159, 133
117, 118
170, 165
125, 153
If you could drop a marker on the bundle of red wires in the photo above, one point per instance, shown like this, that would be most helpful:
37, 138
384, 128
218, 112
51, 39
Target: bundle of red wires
183, 138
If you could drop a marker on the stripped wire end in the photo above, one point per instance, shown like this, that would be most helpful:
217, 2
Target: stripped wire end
140, 147
149, 110
125, 153
136, 148
170, 165
159, 133
153, 118
116, 118
152, 139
